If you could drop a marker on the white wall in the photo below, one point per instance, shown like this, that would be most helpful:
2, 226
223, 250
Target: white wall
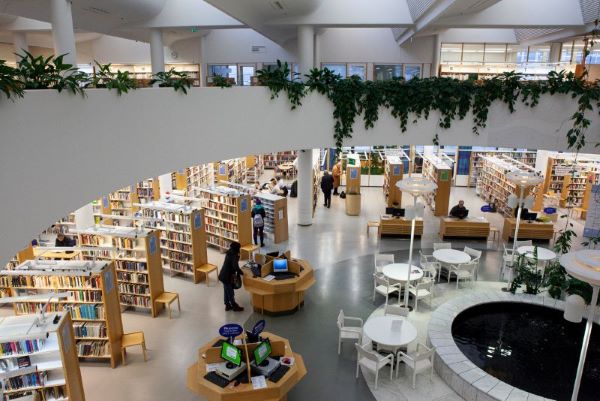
473, 35
59, 151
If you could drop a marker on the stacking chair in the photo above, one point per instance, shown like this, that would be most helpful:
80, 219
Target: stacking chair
442, 245
381, 285
423, 289
349, 333
463, 271
524, 243
475, 257
383, 259
419, 361
431, 267
507, 261
373, 361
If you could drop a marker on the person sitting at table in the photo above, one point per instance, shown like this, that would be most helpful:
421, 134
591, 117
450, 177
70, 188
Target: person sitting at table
459, 211
63, 241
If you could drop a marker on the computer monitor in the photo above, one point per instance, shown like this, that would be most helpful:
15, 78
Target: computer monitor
262, 352
280, 265
273, 254
394, 211
231, 353
530, 216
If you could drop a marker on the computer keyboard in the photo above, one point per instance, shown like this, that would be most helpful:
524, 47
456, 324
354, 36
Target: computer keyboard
284, 276
279, 373
216, 379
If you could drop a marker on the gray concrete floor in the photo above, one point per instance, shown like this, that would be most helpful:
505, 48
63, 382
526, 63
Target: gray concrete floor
342, 254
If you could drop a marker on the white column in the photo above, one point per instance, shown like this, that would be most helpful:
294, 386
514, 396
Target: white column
306, 61
20, 43
165, 183
435, 64
555, 52
62, 30
84, 217
157, 50
305, 196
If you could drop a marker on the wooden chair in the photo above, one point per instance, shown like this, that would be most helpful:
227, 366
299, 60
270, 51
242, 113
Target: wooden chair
167, 298
206, 269
130, 340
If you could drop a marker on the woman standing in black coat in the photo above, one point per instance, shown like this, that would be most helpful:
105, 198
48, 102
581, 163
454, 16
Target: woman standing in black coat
227, 275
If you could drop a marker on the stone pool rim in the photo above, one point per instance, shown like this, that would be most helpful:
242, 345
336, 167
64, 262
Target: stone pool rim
463, 376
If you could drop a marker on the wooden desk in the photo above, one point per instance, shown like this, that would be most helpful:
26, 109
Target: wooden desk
535, 230
279, 296
244, 391
400, 226
62, 255
471, 227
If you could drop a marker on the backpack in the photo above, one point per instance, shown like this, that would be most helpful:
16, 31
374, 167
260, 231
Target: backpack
258, 220
294, 190
342, 195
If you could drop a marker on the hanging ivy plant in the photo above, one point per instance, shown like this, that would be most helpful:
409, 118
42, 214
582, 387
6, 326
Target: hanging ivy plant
452, 99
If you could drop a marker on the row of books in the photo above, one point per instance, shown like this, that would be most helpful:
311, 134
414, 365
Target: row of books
222, 232
181, 267
21, 347
178, 246
221, 224
124, 243
212, 213
175, 236
85, 296
92, 312
132, 277
90, 329
177, 217
56, 281
131, 266
228, 207
93, 348
35, 379
133, 300
140, 289
91, 240
178, 256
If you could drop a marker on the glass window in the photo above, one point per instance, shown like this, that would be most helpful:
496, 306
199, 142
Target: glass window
387, 71
594, 57
473, 53
539, 54
246, 74
357, 69
578, 51
451, 52
412, 71
566, 52
269, 66
516, 54
339, 69
227, 71
495, 53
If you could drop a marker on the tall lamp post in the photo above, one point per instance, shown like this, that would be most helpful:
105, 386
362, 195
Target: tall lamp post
415, 186
523, 179
585, 266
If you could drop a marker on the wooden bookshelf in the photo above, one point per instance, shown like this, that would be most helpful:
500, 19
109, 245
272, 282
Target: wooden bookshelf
179, 180
272, 160
254, 168
200, 176
276, 222
183, 238
148, 190
393, 172
232, 170
121, 204
527, 157
53, 373
138, 263
571, 178
227, 215
492, 183
93, 302
353, 179
437, 171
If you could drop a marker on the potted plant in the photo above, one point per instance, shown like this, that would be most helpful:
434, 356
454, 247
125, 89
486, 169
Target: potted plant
9, 84
105, 78
179, 81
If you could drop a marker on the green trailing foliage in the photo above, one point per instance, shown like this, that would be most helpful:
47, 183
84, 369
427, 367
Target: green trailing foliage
9, 84
179, 81
412, 100
221, 82
120, 81
49, 73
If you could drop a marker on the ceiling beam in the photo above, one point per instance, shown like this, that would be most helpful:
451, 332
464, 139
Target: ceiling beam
559, 36
433, 13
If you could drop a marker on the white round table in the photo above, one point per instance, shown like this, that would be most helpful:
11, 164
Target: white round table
382, 330
400, 272
543, 254
451, 256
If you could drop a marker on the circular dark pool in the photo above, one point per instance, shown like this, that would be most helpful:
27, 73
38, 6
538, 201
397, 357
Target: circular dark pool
530, 347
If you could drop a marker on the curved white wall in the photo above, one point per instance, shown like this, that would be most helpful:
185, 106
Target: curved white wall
58, 151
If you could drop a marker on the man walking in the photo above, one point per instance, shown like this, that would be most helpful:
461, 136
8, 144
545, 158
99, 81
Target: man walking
327, 187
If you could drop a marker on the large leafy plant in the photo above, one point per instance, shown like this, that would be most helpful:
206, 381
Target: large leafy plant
179, 81
50, 73
9, 84
529, 274
120, 81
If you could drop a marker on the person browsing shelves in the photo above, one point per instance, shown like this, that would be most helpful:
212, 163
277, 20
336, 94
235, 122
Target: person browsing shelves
459, 211
229, 270
258, 222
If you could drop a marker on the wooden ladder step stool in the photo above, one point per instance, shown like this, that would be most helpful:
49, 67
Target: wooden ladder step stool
167, 298
130, 340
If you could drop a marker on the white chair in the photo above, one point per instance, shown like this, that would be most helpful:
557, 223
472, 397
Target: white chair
463, 271
524, 243
507, 260
419, 361
475, 257
381, 285
396, 310
442, 245
348, 333
423, 289
383, 259
431, 267
373, 361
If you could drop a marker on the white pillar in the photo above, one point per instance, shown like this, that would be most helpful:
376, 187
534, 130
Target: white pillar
84, 217
555, 49
165, 183
157, 50
202, 61
20, 43
306, 61
435, 64
62, 30
305, 196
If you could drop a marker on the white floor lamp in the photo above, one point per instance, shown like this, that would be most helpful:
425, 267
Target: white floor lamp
523, 179
416, 186
585, 266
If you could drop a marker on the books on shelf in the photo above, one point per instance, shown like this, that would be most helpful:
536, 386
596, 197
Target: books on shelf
272, 160
393, 172
254, 168
276, 223
571, 178
92, 300
527, 157
438, 171
148, 190
200, 176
